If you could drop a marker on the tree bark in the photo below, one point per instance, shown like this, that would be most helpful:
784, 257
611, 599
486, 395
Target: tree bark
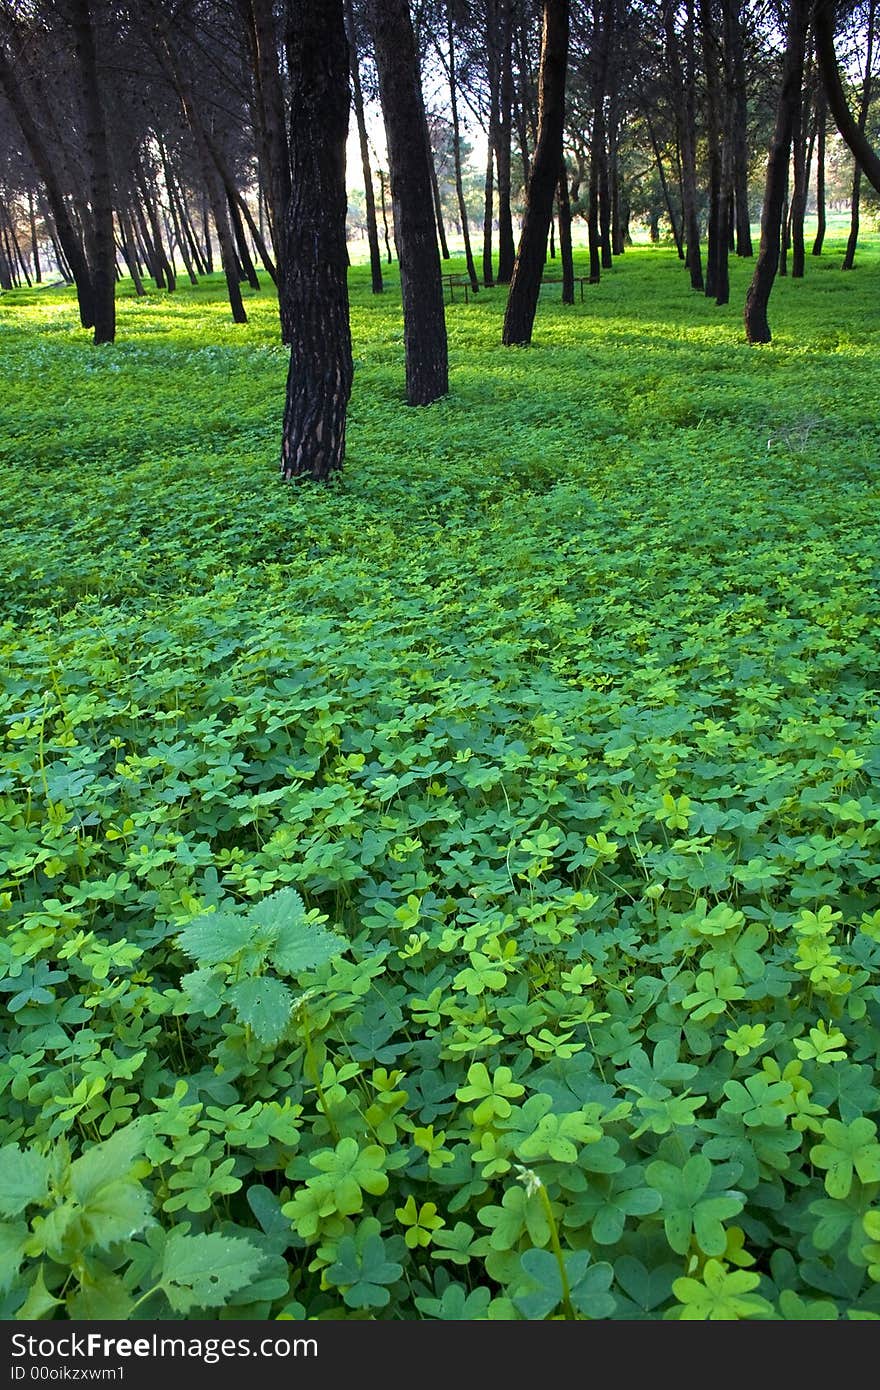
315, 255
424, 324
758, 296
525, 285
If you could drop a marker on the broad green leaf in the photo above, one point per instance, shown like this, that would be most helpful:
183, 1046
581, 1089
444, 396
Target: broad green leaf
303, 946
203, 1271
24, 1178
216, 937
108, 1161
264, 1004
13, 1238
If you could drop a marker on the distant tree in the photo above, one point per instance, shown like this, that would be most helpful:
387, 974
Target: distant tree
525, 286
314, 283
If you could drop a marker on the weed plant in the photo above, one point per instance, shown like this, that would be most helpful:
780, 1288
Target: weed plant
451, 893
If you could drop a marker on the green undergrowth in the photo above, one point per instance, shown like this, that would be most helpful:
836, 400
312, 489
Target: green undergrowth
451, 893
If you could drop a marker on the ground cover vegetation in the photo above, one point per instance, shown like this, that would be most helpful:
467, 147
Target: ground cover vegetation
450, 893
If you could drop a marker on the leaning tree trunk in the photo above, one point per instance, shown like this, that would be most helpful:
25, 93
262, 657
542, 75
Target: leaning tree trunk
854, 137
758, 296
424, 322
525, 286
315, 254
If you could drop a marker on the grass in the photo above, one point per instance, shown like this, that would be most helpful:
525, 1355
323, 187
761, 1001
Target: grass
557, 714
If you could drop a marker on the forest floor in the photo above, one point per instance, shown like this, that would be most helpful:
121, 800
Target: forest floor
454, 892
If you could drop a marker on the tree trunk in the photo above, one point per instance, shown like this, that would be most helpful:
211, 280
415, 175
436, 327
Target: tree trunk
456, 149
525, 285
821, 124
563, 209
164, 273
259, 19
424, 324
435, 185
499, 46
369, 199
385, 216
315, 255
99, 224
739, 130
849, 258
683, 85
798, 190
489, 198
717, 285
670, 211
758, 296
35, 249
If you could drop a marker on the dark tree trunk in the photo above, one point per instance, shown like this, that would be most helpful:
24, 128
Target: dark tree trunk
162, 264
176, 220
385, 216
206, 232
99, 225
563, 210
670, 210
849, 258
855, 198
821, 124
259, 20
525, 286
70, 245
717, 285
758, 296
739, 130
130, 255
435, 187
456, 150
683, 85
489, 198
424, 324
315, 255
35, 249
499, 47
210, 176
369, 199
151, 258
798, 190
